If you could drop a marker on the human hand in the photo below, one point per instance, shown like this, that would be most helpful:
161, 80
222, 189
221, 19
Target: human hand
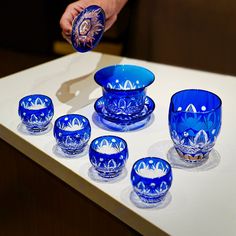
110, 7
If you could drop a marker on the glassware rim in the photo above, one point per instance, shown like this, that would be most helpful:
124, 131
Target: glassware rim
169, 171
109, 136
87, 123
198, 112
124, 65
33, 111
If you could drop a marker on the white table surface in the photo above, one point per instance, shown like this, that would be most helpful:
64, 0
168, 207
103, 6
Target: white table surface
202, 200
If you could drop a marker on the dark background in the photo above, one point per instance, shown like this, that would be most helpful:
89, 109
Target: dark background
195, 34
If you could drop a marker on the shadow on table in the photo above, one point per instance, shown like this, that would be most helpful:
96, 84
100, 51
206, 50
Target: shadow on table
164, 149
21, 128
59, 153
130, 197
112, 126
210, 163
76, 92
93, 174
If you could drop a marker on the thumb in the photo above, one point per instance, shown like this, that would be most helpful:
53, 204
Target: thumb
110, 21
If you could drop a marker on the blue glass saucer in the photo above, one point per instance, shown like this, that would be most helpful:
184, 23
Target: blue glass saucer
121, 119
88, 28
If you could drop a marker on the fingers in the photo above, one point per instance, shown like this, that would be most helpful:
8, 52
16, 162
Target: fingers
111, 9
68, 16
110, 22
66, 37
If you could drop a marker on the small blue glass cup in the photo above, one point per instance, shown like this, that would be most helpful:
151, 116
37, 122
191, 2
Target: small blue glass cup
72, 133
194, 123
151, 178
108, 155
36, 112
124, 88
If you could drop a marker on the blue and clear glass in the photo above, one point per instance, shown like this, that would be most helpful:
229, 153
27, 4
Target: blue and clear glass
124, 88
88, 28
151, 178
72, 133
36, 112
124, 101
194, 123
108, 155
121, 119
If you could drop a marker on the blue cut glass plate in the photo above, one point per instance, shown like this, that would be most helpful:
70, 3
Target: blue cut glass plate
122, 119
88, 28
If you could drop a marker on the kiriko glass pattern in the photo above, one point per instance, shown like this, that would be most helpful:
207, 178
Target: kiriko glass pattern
124, 88
88, 28
151, 178
108, 155
194, 123
72, 133
36, 112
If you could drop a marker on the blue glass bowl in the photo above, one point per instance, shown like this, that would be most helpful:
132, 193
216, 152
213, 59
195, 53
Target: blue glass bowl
36, 112
72, 133
88, 28
194, 123
151, 178
124, 88
108, 155
121, 119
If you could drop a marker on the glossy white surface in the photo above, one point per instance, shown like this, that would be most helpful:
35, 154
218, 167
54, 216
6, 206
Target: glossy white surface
201, 200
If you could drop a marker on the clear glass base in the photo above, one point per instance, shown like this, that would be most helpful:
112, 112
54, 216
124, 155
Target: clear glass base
151, 199
34, 129
108, 174
193, 159
72, 152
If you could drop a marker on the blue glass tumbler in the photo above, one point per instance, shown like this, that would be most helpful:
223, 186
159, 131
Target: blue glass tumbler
194, 123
